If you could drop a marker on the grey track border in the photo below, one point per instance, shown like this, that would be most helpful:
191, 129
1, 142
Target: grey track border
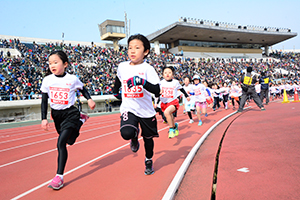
173, 187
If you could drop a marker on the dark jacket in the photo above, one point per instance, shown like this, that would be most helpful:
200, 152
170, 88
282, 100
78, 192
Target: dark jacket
264, 82
248, 80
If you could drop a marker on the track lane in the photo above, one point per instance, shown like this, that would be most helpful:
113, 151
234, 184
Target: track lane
115, 170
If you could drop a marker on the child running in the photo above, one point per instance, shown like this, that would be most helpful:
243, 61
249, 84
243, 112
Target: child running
216, 94
225, 94
188, 105
199, 90
60, 87
169, 100
138, 80
235, 93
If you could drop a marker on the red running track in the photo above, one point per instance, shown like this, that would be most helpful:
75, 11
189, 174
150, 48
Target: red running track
100, 164
259, 157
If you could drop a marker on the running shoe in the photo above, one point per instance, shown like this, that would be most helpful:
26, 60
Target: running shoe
206, 114
134, 143
84, 117
263, 109
176, 129
148, 167
200, 123
191, 121
56, 183
171, 133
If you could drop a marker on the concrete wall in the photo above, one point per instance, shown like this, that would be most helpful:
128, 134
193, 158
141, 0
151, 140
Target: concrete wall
23, 110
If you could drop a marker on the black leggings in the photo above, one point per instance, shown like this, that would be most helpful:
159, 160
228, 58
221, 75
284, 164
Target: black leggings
225, 99
232, 101
130, 132
63, 139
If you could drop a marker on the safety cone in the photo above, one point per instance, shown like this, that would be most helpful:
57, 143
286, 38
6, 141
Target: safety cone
285, 98
296, 97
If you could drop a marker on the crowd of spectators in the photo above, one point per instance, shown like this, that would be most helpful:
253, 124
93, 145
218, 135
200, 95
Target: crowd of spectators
21, 76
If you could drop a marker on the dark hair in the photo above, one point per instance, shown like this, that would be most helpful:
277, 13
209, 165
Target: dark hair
169, 67
190, 79
62, 55
249, 69
143, 39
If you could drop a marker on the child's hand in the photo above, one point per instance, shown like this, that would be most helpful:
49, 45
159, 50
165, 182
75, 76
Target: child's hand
91, 104
134, 81
45, 125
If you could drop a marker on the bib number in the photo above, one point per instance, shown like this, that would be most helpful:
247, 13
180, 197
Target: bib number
59, 95
133, 92
167, 92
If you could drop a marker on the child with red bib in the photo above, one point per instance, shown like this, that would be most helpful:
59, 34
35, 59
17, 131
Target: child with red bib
169, 102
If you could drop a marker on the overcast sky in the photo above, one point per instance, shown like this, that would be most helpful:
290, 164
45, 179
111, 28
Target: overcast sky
79, 20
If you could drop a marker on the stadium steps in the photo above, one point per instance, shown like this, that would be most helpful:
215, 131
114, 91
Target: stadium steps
13, 52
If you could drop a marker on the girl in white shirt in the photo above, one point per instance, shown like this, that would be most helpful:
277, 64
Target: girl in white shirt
235, 93
61, 87
169, 102
216, 94
188, 105
199, 91
225, 94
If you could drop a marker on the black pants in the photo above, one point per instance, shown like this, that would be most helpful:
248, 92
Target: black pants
216, 102
225, 99
252, 93
264, 94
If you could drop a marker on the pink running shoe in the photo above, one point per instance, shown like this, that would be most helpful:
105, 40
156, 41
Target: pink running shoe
56, 183
84, 116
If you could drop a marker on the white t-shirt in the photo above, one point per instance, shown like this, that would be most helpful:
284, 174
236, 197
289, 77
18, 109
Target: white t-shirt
61, 90
234, 91
137, 100
257, 88
200, 92
169, 90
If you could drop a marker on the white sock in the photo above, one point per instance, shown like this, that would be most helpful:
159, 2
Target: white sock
61, 176
83, 120
148, 159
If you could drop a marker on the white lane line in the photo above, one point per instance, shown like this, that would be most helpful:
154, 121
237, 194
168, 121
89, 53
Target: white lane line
23, 138
41, 134
170, 193
45, 183
28, 144
39, 154
74, 169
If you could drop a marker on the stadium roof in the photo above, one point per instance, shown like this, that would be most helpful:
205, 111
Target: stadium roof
214, 32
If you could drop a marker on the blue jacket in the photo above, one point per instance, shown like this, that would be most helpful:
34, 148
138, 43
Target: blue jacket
264, 82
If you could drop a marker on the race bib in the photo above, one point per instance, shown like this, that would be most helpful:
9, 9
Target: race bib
168, 92
198, 91
59, 95
133, 92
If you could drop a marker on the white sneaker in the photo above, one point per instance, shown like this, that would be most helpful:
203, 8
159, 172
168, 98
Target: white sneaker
191, 121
